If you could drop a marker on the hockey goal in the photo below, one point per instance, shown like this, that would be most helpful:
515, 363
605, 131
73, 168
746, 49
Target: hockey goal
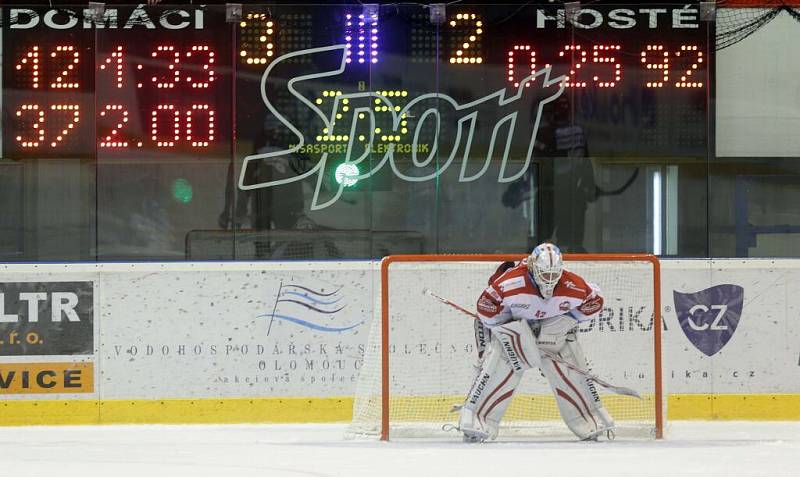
418, 362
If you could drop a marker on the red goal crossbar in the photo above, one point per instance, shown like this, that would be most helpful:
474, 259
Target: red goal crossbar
389, 260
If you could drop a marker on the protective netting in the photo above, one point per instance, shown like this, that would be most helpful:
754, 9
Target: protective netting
431, 353
738, 19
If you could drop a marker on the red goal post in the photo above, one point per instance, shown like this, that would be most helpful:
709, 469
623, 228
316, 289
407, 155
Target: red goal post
386, 290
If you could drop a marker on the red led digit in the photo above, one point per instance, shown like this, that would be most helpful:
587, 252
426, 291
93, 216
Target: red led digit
579, 59
113, 140
170, 115
173, 58
30, 116
72, 113
525, 52
655, 57
686, 80
603, 55
72, 58
468, 45
208, 74
194, 114
31, 61
114, 63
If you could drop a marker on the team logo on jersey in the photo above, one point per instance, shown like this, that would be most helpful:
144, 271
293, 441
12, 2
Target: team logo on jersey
487, 307
592, 306
571, 285
710, 317
563, 306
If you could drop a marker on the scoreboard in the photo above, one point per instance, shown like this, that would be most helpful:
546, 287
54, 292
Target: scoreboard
76, 86
150, 82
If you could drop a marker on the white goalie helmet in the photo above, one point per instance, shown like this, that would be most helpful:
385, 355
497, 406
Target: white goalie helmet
546, 266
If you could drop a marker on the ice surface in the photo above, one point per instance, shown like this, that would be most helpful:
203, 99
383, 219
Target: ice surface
730, 449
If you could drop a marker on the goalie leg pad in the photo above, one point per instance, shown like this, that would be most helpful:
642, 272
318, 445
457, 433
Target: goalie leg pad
482, 336
489, 396
573, 352
519, 345
576, 396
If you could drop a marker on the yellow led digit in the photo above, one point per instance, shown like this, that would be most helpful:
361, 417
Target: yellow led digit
257, 39
466, 38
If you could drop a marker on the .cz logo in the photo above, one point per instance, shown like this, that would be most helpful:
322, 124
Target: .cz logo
710, 317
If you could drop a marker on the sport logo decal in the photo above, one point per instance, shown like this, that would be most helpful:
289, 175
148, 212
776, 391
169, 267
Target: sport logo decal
710, 317
446, 110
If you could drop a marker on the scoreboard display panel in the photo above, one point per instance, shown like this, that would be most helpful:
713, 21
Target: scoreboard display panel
151, 82
135, 81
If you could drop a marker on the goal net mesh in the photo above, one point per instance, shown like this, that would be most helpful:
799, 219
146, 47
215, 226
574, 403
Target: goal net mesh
432, 352
738, 19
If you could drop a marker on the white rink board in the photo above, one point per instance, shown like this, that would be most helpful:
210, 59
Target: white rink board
193, 330
179, 330
222, 318
763, 354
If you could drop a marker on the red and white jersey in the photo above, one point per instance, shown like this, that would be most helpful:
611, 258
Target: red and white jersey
515, 296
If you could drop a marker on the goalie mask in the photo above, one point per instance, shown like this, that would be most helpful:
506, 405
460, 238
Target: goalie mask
545, 265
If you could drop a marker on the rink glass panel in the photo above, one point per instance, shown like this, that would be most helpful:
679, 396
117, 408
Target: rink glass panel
628, 167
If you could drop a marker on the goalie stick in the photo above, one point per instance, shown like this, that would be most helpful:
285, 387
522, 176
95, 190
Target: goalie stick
554, 357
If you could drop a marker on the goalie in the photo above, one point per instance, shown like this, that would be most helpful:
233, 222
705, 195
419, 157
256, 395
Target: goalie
532, 306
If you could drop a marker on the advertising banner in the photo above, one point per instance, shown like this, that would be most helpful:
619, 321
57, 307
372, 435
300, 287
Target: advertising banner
46, 378
300, 329
731, 326
47, 331
225, 330
46, 318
